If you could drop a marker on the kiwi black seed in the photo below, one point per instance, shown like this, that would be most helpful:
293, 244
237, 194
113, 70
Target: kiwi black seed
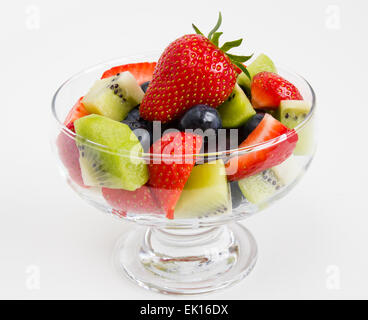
116, 89
270, 180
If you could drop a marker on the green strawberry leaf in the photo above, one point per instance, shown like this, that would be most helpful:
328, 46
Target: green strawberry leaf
197, 30
216, 37
243, 68
239, 58
231, 44
217, 26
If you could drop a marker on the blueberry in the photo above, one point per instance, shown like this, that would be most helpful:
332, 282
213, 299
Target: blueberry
236, 195
249, 126
143, 130
133, 115
144, 86
201, 117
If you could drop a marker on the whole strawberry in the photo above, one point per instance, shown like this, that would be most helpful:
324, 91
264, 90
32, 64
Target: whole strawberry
192, 70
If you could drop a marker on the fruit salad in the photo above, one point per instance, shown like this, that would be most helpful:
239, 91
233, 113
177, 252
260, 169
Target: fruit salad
195, 134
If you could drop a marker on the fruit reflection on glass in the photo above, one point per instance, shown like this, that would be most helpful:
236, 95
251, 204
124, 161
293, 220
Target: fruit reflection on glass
185, 147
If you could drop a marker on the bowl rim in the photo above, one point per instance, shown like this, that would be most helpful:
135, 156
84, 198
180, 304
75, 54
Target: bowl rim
148, 155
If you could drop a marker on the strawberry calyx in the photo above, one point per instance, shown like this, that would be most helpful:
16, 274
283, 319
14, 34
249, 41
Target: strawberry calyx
214, 37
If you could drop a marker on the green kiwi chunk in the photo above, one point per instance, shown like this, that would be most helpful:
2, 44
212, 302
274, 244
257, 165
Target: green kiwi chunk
258, 189
292, 113
117, 167
260, 64
114, 97
236, 110
206, 192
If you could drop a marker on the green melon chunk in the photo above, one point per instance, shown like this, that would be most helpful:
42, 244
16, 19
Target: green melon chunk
260, 64
107, 169
292, 113
114, 97
206, 192
236, 110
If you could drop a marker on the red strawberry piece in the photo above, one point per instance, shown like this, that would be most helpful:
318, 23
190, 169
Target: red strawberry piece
69, 155
78, 111
70, 126
119, 213
138, 201
254, 162
171, 168
68, 151
268, 89
191, 71
142, 72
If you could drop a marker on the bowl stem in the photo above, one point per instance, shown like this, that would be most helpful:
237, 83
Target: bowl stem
187, 261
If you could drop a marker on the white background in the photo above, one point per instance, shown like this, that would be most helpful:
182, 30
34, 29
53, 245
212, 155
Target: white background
309, 240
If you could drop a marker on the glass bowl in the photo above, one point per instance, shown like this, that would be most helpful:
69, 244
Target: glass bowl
198, 253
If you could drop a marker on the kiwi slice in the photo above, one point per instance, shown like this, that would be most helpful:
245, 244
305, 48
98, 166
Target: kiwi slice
106, 168
259, 188
287, 171
292, 113
206, 192
260, 64
236, 110
114, 97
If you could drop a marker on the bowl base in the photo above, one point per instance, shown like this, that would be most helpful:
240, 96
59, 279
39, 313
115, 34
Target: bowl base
174, 261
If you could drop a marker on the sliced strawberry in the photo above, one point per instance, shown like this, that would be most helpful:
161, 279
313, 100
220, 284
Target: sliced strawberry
67, 147
138, 201
268, 89
141, 71
69, 155
254, 162
170, 170
78, 111
119, 213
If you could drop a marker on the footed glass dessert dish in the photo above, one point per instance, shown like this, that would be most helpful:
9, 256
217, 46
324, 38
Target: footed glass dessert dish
182, 195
